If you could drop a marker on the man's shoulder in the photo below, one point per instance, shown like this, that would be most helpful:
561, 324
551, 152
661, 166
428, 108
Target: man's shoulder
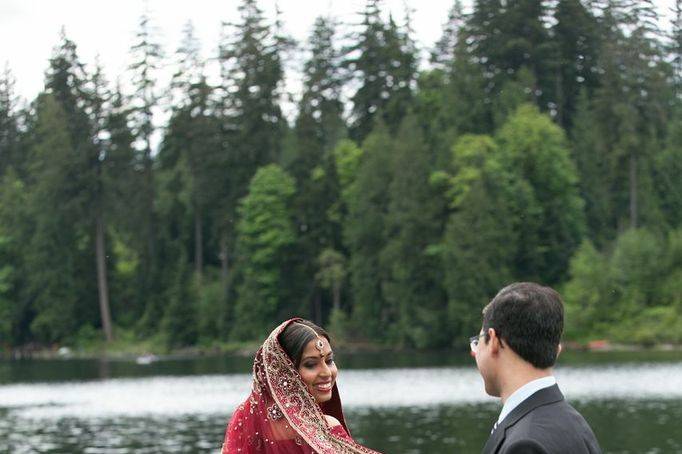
555, 425
556, 415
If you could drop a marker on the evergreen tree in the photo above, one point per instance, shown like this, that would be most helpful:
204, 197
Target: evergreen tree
9, 128
253, 74
414, 300
509, 36
265, 237
516, 91
319, 126
589, 155
96, 100
146, 55
383, 62
331, 275
6, 275
190, 67
449, 98
676, 46
192, 142
632, 108
481, 233
252, 127
179, 323
55, 253
15, 232
576, 40
367, 199
668, 168
123, 182
79, 174
554, 221
444, 53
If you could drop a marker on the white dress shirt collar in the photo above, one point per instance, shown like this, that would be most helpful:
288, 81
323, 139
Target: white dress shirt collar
524, 393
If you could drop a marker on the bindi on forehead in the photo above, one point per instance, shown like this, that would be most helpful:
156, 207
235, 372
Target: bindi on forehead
317, 348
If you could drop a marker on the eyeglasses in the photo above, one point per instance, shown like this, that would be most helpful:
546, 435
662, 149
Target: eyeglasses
474, 340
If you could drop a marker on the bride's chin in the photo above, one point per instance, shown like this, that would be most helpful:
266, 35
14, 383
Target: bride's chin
322, 397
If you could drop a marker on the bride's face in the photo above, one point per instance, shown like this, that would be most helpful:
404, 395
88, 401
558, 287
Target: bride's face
318, 370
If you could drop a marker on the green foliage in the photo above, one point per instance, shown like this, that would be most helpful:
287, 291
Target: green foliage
668, 168
52, 250
586, 293
6, 271
339, 327
576, 39
535, 149
364, 231
210, 310
410, 284
347, 156
265, 236
461, 184
383, 60
179, 323
514, 93
332, 271
631, 294
9, 127
13, 233
480, 237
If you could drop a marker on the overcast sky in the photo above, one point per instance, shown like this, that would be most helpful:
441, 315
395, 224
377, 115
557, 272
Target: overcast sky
29, 29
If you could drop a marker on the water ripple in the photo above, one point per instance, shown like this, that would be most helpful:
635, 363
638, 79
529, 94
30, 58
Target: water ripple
384, 388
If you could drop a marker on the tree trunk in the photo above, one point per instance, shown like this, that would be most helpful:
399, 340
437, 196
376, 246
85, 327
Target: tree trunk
633, 190
102, 284
198, 247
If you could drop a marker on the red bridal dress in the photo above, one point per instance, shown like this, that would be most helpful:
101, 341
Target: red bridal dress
280, 416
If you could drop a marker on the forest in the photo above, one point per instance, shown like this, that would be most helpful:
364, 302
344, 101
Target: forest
540, 141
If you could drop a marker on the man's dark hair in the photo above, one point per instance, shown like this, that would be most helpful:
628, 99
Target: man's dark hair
296, 336
529, 318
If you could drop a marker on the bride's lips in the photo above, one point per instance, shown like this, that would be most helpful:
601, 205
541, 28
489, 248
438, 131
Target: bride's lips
324, 387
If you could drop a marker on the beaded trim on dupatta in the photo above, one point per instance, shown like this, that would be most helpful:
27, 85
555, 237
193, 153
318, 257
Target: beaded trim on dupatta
274, 371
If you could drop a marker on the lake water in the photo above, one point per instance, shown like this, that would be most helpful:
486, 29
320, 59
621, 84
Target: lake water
395, 403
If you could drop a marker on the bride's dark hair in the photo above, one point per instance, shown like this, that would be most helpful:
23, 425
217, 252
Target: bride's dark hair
296, 336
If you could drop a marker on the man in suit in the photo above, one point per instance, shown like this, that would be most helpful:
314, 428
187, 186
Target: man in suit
515, 352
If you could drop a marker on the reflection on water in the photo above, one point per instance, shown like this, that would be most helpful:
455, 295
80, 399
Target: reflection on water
633, 407
621, 426
376, 388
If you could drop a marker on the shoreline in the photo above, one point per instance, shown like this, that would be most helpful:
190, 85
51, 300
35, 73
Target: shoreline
143, 351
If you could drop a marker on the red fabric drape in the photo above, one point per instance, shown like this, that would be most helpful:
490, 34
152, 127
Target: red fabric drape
280, 416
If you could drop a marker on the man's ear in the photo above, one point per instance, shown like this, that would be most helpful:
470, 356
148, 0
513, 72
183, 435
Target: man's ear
494, 340
559, 349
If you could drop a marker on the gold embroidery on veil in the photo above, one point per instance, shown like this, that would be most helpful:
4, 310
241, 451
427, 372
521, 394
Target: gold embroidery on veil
294, 402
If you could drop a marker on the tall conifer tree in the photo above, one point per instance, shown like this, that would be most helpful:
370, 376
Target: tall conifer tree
383, 61
147, 55
415, 302
9, 128
364, 230
252, 123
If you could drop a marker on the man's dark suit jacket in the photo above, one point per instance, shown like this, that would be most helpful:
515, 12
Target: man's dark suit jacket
543, 423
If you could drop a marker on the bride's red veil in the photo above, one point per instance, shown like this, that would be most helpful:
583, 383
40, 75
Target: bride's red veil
281, 416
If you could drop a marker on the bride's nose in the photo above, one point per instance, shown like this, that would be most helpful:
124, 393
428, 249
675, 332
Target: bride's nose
326, 371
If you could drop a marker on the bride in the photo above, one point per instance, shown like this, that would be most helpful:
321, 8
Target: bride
294, 406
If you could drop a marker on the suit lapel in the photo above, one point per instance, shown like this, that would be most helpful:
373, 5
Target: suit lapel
542, 397
494, 440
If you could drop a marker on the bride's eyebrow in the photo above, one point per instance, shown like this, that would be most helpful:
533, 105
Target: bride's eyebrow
330, 353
